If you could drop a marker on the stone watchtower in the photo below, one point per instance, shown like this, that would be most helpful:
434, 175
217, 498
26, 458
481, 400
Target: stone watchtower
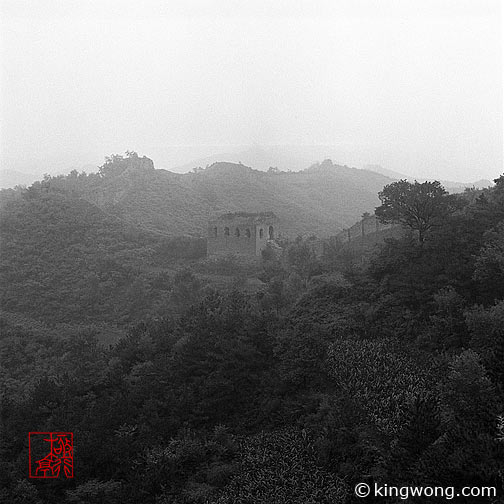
241, 233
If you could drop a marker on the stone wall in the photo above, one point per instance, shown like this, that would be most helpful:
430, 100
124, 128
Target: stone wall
367, 225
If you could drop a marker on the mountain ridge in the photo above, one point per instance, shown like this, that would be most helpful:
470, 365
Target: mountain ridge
320, 200
450, 185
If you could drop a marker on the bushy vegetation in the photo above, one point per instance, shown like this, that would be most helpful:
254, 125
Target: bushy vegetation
63, 260
340, 370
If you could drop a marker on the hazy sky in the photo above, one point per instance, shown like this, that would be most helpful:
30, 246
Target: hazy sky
414, 85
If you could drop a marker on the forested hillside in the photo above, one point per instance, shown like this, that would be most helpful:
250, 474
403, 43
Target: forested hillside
61, 257
320, 200
385, 367
106, 247
65, 260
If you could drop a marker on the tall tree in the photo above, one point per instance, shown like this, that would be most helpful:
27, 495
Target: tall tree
419, 206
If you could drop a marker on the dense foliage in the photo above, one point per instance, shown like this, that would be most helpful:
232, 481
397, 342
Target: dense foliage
420, 206
344, 368
63, 260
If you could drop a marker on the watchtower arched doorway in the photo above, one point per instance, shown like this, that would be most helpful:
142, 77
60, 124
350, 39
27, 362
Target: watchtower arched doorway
271, 234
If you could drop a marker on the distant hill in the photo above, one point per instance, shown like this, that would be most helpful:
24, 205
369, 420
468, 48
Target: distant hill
320, 200
284, 158
449, 185
298, 157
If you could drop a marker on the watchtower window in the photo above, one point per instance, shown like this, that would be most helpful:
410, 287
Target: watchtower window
247, 233
237, 233
270, 232
215, 231
261, 233
226, 231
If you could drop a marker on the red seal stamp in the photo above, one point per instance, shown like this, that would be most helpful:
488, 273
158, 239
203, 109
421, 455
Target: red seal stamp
50, 454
